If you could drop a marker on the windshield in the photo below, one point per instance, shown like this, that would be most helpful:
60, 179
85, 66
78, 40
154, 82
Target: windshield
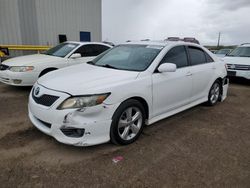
128, 57
61, 50
223, 51
240, 52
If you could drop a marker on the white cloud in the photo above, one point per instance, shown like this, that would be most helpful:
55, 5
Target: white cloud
229, 4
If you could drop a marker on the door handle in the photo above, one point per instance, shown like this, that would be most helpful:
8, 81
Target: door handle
189, 74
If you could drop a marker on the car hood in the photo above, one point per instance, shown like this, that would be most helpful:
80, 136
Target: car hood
30, 60
237, 60
86, 79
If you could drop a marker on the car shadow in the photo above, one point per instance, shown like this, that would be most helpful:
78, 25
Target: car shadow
240, 81
15, 89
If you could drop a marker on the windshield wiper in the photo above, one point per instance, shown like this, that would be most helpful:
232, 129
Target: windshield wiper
108, 66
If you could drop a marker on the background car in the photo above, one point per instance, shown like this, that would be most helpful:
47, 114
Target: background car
238, 61
185, 39
223, 52
213, 51
133, 84
25, 70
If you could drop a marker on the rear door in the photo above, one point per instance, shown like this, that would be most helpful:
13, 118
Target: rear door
202, 69
172, 89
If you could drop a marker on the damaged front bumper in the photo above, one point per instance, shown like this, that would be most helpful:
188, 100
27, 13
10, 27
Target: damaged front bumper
78, 127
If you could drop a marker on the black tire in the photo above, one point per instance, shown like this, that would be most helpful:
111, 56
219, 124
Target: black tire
45, 72
211, 102
114, 130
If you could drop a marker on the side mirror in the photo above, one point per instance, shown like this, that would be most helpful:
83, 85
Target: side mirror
167, 67
75, 56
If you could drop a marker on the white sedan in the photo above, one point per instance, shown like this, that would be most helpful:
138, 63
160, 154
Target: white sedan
125, 88
25, 70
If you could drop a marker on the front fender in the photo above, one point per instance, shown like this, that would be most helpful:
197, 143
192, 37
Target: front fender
141, 87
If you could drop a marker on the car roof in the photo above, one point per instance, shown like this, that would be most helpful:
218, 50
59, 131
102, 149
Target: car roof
161, 43
84, 43
245, 45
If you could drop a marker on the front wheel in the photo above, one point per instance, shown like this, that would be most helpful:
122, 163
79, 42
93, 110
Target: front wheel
128, 122
214, 94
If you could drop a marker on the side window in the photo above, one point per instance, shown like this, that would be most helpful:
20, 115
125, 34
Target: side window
85, 51
209, 59
101, 48
197, 55
91, 50
95, 49
176, 55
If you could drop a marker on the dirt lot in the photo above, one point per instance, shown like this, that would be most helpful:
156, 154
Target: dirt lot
201, 147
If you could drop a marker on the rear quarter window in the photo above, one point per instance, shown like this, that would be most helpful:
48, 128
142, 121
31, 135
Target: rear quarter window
208, 58
198, 56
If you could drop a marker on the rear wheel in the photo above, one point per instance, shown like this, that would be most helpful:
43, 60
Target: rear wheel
128, 122
214, 94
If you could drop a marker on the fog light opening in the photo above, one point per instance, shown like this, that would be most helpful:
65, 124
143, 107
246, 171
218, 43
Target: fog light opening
73, 132
16, 81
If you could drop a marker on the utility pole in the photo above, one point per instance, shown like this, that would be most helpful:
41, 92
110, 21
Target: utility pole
218, 44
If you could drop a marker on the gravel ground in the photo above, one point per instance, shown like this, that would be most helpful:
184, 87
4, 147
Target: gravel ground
201, 147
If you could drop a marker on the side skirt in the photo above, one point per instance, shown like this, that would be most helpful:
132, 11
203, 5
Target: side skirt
175, 111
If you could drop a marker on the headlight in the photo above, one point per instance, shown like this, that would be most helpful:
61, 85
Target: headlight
21, 68
83, 101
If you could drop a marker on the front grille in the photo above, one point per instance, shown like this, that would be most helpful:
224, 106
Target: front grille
238, 67
3, 67
45, 100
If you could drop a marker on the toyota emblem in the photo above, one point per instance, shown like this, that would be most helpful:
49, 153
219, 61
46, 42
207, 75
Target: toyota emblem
37, 90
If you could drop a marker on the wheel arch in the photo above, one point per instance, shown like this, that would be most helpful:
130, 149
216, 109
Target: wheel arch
220, 80
142, 101
144, 104
46, 70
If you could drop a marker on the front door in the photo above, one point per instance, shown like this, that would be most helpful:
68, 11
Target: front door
172, 90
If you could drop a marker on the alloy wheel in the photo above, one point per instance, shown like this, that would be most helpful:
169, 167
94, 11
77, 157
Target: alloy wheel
130, 123
215, 93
